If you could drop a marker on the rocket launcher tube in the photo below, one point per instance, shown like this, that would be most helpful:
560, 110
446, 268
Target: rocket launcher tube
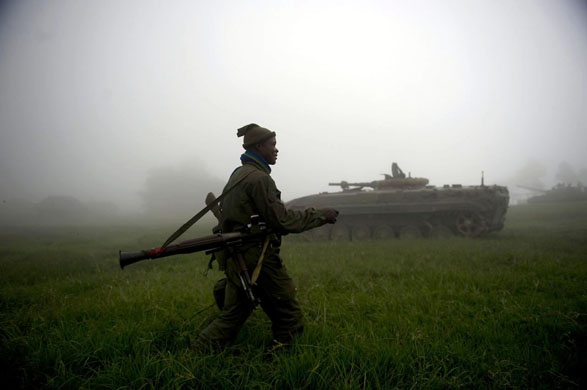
210, 243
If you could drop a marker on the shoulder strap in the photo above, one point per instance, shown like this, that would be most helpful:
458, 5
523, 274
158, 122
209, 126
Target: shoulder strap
201, 213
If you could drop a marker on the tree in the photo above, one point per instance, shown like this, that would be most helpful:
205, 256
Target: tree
530, 175
566, 174
61, 209
582, 176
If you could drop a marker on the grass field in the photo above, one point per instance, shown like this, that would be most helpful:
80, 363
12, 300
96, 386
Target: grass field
506, 311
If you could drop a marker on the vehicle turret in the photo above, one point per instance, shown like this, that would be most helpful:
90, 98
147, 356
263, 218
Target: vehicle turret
397, 180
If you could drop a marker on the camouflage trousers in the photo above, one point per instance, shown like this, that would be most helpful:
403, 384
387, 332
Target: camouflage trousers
277, 293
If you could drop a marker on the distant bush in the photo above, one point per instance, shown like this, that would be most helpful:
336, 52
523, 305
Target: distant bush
177, 192
16, 212
56, 210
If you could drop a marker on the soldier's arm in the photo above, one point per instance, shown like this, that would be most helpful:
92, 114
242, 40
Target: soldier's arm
267, 201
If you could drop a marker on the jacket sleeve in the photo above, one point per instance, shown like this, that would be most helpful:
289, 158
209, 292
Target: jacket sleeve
267, 201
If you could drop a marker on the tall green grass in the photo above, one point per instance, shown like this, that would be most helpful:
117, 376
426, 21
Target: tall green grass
506, 311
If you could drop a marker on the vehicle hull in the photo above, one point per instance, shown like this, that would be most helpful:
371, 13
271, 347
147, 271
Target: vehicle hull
470, 211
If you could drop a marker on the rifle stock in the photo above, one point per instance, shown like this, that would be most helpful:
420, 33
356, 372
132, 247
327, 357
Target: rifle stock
210, 198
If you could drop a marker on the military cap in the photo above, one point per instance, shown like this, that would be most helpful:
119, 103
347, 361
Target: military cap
254, 134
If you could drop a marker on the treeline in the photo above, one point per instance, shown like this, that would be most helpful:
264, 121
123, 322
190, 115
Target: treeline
168, 194
177, 192
536, 175
56, 210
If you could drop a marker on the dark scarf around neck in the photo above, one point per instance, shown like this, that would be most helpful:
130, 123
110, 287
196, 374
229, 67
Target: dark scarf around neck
255, 158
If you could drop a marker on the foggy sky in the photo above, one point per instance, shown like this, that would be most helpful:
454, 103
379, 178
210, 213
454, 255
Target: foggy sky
94, 95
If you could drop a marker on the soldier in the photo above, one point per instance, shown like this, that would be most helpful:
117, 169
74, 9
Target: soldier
257, 194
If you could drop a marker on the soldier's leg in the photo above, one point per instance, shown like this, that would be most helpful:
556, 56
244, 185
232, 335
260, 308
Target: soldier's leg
223, 330
278, 299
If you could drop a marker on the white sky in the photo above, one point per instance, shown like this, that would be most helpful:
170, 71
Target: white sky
94, 94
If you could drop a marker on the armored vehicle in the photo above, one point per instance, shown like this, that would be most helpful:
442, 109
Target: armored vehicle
559, 193
406, 207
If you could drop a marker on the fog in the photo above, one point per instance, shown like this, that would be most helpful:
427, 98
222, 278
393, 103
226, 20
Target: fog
98, 98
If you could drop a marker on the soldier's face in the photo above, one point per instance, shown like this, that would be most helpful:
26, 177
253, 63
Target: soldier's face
268, 150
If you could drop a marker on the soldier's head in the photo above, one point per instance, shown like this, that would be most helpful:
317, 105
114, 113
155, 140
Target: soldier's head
268, 149
260, 140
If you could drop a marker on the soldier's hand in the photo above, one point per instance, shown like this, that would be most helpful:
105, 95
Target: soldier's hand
330, 214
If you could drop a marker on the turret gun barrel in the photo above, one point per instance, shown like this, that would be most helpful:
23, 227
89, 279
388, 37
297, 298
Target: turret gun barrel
532, 188
346, 185
397, 180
